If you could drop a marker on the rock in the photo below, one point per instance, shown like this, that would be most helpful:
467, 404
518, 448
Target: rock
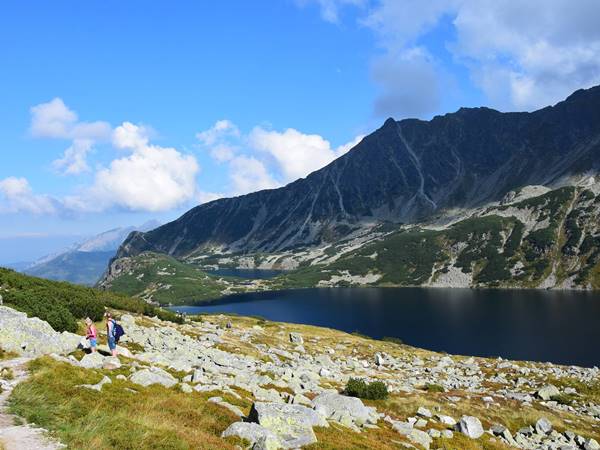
470, 426
433, 433
253, 433
547, 392
97, 386
186, 388
296, 338
543, 426
92, 361
591, 444
421, 423
446, 420
154, 375
111, 363
379, 359
424, 412
447, 434
292, 424
420, 437
121, 377
333, 405
30, 336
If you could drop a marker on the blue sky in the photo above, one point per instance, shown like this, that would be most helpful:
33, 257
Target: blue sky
113, 113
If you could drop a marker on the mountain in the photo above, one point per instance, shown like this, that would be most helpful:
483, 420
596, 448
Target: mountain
85, 262
406, 171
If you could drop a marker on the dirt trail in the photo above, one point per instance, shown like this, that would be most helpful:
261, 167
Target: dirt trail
20, 437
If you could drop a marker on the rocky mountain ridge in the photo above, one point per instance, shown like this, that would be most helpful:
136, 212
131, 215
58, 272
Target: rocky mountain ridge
405, 172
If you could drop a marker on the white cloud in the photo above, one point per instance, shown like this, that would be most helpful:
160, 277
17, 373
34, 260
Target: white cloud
56, 121
297, 154
248, 174
130, 136
265, 159
220, 130
522, 55
151, 178
330, 9
74, 159
18, 196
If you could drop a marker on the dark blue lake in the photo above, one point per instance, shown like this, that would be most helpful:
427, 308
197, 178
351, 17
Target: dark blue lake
257, 274
557, 326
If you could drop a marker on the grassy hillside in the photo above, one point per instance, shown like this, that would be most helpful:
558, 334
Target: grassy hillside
554, 236
62, 303
163, 279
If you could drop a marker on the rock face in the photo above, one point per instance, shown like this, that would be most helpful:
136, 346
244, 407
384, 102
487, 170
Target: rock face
32, 336
415, 168
470, 426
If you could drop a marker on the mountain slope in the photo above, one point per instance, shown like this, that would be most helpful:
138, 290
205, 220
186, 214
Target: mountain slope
406, 171
85, 262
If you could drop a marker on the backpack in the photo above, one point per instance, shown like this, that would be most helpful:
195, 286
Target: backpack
118, 331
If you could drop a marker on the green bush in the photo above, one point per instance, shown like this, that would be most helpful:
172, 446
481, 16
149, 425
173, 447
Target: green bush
62, 304
377, 390
434, 388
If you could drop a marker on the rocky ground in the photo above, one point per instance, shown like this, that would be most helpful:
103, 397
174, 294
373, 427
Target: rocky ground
283, 382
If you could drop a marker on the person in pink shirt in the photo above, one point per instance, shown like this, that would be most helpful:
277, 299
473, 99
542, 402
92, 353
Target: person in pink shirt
91, 334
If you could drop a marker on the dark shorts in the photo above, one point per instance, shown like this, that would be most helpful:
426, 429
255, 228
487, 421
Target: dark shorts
112, 344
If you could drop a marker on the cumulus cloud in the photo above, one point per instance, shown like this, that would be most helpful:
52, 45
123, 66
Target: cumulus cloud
151, 178
297, 154
264, 158
17, 196
56, 121
518, 62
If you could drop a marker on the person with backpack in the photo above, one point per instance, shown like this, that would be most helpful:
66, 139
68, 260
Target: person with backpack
111, 326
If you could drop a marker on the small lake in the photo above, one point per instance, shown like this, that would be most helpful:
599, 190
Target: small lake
558, 326
256, 274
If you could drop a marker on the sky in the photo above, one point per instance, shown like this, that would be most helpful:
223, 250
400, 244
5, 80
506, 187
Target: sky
113, 113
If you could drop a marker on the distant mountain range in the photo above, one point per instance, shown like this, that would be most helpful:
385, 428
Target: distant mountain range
410, 205
84, 262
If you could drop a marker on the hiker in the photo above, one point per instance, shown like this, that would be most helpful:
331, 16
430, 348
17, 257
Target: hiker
91, 334
111, 325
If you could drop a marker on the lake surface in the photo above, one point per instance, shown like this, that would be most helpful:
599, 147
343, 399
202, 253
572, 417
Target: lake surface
257, 274
561, 327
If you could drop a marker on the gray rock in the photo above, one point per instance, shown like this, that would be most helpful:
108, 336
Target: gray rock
186, 388
292, 424
547, 392
470, 426
32, 336
591, 444
253, 433
153, 375
446, 420
97, 386
543, 426
424, 412
92, 361
111, 363
296, 338
332, 405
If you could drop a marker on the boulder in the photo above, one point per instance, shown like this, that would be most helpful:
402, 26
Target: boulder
92, 361
153, 375
332, 405
543, 426
253, 433
97, 386
111, 363
296, 338
424, 412
446, 420
470, 426
292, 424
31, 336
547, 392
591, 444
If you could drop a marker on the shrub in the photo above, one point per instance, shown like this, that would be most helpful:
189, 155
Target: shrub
356, 387
434, 388
393, 340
